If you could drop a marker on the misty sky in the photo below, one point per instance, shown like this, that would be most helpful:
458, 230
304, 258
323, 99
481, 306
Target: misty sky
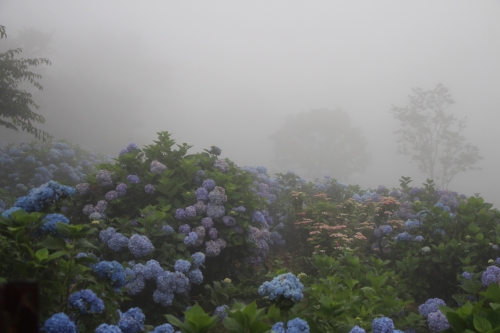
228, 73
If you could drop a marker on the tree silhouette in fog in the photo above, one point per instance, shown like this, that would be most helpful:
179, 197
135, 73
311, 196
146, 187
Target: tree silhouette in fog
433, 137
17, 103
321, 142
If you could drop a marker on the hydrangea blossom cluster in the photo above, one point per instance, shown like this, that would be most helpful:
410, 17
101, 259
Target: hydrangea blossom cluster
431, 305
222, 166
131, 321
157, 167
437, 322
105, 328
103, 178
214, 247
121, 189
295, 325
149, 189
86, 301
58, 323
382, 325
50, 221
133, 179
140, 246
221, 312
490, 275
404, 237
382, 230
367, 196
113, 271
284, 285
43, 196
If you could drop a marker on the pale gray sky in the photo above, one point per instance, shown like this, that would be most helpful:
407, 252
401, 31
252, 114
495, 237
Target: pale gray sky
228, 73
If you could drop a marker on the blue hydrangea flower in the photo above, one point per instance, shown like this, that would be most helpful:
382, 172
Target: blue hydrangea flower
103, 178
111, 196
168, 229
157, 167
201, 194
101, 206
439, 232
431, 305
467, 275
43, 196
212, 233
149, 189
140, 245
185, 229
198, 259
118, 242
217, 196
195, 276
50, 221
382, 325
284, 285
297, 325
418, 238
191, 239
152, 270
86, 301
404, 237
113, 271
279, 327
240, 209
208, 184
105, 328
437, 322
221, 165
133, 179
121, 189
95, 216
59, 323
180, 214
215, 211
200, 175
221, 312
228, 220
131, 321
261, 169
490, 275
106, 234
207, 222
165, 328
182, 266
357, 329
163, 298
257, 217
190, 212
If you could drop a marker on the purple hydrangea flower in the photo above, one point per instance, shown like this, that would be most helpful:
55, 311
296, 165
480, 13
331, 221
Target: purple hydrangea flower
103, 178
201, 208
222, 166
150, 189
88, 209
201, 194
101, 206
121, 189
228, 220
212, 233
215, 211
111, 196
207, 222
490, 275
133, 179
82, 188
437, 322
180, 214
217, 196
208, 184
190, 212
431, 305
185, 229
157, 167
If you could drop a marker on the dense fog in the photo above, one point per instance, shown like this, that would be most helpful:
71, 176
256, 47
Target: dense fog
230, 73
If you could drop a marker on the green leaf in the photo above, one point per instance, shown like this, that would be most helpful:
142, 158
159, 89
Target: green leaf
57, 254
457, 322
259, 327
479, 236
232, 325
274, 313
42, 254
181, 247
481, 324
174, 321
251, 311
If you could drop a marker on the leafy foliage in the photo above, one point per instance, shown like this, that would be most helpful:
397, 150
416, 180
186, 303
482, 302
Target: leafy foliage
15, 104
